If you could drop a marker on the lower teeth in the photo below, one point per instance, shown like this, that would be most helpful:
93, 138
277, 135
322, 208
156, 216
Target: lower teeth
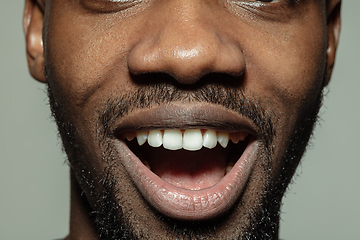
146, 163
229, 166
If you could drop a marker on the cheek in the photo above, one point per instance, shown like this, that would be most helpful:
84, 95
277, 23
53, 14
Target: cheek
85, 54
288, 66
294, 71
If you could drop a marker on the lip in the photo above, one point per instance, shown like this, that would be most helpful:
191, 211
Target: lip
179, 203
185, 116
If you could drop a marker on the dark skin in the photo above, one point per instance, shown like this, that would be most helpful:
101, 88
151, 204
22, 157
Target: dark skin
275, 57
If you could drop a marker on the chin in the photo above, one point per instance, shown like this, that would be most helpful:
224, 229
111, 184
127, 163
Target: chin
184, 169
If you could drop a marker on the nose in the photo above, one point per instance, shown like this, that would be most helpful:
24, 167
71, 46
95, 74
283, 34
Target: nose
184, 39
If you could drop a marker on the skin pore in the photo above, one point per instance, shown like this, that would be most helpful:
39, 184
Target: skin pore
118, 67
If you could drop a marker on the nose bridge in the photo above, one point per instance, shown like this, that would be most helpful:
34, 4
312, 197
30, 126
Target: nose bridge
185, 44
185, 24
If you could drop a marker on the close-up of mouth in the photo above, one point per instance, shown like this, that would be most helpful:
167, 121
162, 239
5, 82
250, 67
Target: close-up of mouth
189, 172
192, 159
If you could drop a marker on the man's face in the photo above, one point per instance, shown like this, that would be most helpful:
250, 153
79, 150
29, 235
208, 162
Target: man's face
224, 95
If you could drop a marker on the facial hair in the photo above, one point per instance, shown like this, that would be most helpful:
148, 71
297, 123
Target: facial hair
110, 219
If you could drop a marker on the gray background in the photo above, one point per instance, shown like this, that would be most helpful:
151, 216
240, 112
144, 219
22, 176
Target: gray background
323, 203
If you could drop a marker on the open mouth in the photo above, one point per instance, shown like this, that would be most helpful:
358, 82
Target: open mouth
192, 159
189, 162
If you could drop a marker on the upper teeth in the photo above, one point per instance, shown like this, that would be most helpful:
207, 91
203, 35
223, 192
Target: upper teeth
189, 139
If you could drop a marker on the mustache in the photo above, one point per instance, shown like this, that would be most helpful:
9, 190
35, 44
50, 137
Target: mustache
149, 95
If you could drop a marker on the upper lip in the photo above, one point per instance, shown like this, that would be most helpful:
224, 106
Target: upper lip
185, 116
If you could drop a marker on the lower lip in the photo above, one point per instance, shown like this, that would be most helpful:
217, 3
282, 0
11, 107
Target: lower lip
191, 205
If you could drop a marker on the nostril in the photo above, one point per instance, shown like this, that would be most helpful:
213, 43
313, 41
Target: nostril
172, 88
187, 50
186, 66
186, 60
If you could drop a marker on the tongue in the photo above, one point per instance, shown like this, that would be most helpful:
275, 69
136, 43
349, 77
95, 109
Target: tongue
186, 169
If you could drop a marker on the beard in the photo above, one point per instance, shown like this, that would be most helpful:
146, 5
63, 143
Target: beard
113, 222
